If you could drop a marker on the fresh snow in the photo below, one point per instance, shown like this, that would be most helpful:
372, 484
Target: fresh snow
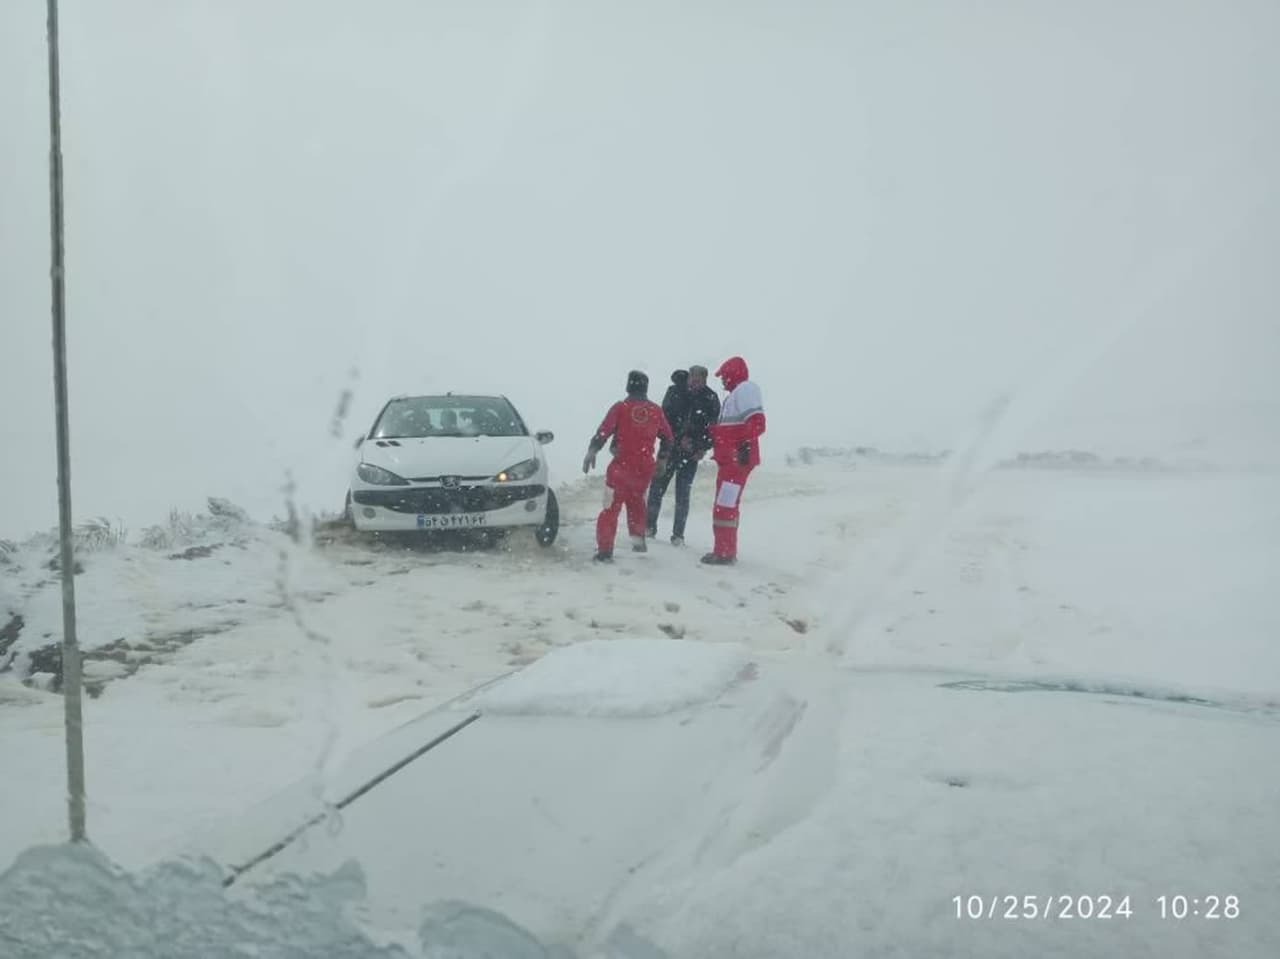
78, 905
921, 681
619, 677
72, 902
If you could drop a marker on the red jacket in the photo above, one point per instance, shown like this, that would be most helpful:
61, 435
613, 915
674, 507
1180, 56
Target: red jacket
741, 416
636, 423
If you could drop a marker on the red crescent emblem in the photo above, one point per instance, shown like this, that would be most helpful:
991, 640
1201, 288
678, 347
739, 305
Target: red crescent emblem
641, 414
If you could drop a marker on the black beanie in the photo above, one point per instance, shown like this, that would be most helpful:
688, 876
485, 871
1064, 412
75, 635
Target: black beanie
637, 384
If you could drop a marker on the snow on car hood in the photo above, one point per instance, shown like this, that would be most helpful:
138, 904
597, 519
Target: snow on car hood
446, 455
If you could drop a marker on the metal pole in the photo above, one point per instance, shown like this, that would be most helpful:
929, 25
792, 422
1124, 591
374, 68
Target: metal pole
71, 691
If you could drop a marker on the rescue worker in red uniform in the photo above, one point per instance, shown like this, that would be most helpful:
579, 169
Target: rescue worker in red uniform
736, 453
634, 424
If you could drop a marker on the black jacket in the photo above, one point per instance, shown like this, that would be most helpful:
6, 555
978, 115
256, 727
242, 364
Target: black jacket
691, 414
675, 403
702, 411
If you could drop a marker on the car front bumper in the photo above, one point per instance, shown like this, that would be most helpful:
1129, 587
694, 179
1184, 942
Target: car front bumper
434, 508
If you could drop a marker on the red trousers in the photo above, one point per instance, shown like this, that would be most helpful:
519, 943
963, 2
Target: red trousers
625, 485
730, 481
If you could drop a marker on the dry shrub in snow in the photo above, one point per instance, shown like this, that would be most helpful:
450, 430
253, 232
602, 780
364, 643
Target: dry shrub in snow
97, 535
184, 529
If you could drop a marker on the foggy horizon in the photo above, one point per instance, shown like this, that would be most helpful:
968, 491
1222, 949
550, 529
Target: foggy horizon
1072, 207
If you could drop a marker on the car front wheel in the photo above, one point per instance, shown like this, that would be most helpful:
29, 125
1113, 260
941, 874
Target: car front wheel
550, 525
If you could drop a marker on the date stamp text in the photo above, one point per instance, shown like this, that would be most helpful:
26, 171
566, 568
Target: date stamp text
1063, 907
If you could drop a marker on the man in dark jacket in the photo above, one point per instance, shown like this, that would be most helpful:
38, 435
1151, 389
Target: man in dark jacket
676, 400
691, 408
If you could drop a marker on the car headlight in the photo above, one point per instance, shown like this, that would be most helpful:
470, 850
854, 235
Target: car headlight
378, 476
521, 471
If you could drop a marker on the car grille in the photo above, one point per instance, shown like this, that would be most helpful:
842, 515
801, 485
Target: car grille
464, 499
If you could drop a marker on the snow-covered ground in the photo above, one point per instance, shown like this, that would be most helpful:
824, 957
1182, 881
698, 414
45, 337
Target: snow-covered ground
917, 684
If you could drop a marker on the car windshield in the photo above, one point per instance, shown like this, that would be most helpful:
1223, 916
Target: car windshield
421, 416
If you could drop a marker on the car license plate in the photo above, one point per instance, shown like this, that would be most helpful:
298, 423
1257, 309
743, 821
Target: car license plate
451, 520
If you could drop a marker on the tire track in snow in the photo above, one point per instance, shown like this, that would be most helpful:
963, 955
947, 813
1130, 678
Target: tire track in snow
766, 783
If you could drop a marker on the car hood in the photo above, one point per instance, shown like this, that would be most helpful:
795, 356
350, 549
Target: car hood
433, 456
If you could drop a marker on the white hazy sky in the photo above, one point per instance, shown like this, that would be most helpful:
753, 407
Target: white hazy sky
897, 211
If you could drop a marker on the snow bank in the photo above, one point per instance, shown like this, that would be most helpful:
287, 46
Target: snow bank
74, 903
620, 677
139, 603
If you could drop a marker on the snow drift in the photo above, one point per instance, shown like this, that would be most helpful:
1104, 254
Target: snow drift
74, 903
618, 677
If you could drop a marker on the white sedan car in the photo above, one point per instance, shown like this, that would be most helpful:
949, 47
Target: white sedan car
452, 462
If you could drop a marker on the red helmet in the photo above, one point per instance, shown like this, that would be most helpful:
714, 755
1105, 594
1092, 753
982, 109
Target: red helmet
733, 371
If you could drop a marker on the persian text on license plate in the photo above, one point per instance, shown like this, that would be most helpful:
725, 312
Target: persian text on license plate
450, 520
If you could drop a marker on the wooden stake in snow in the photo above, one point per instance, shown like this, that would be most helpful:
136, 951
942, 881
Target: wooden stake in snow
71, 692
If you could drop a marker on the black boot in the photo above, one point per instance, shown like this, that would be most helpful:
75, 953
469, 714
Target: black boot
714, 559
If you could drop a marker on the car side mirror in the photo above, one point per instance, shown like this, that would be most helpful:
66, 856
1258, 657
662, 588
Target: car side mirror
359, 440
544, 436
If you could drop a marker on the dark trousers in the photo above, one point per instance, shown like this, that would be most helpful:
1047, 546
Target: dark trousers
683, 471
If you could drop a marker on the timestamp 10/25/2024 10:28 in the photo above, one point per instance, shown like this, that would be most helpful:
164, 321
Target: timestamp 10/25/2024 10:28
1093, 907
